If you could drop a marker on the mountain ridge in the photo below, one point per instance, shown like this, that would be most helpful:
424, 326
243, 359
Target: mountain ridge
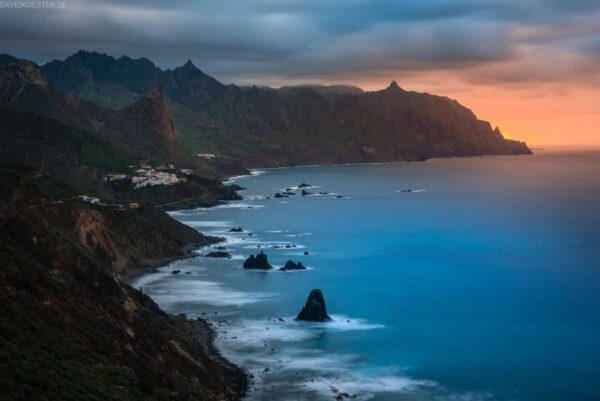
268, 128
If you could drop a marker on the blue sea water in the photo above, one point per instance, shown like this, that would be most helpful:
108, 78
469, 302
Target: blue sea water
482, 285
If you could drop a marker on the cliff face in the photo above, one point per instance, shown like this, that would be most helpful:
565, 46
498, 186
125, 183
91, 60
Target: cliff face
71, 330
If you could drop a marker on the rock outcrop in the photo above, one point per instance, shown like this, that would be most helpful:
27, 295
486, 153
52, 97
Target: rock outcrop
314, 310
153, 110
291, 265
258, 262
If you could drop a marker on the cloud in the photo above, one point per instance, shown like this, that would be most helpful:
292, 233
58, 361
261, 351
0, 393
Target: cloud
485, 41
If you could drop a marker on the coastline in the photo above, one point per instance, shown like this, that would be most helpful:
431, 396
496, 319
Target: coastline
257, 169
206, 335
210, 333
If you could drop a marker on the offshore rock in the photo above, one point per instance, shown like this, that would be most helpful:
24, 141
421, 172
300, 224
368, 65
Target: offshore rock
259, 262
315, 309
291, 265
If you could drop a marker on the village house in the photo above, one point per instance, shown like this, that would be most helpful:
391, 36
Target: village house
115, 177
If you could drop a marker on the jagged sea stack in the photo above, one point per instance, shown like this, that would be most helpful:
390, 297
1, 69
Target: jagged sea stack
259, 262
315, 309
291, 265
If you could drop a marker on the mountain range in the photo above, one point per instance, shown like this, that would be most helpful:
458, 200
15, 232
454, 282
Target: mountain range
289, 126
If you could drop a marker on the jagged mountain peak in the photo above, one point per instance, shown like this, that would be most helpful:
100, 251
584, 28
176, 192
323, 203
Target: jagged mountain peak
190, 70
393, 86
189, 65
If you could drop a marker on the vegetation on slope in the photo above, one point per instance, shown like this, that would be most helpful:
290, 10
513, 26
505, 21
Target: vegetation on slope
70, 330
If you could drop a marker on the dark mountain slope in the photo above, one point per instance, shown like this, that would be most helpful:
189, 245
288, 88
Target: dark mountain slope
70, 330
299, 125
73, 156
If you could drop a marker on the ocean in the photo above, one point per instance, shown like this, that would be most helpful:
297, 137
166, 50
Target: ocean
452, 279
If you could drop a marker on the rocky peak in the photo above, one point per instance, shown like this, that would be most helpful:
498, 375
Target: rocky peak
189, 65
152, 109
314, 310
393, 86
498, 133
189, 76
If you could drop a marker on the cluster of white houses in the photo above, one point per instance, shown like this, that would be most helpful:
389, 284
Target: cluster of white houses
151, 176
148, 176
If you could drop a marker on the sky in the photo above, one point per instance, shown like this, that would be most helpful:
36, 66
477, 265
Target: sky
531, 67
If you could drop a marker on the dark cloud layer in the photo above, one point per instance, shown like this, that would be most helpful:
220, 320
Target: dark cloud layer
512, 41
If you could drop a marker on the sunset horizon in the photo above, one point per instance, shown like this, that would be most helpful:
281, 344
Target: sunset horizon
533, 74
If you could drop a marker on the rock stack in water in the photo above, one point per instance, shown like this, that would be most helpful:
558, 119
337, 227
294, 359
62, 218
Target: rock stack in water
291, 265
259, 262
315, 309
